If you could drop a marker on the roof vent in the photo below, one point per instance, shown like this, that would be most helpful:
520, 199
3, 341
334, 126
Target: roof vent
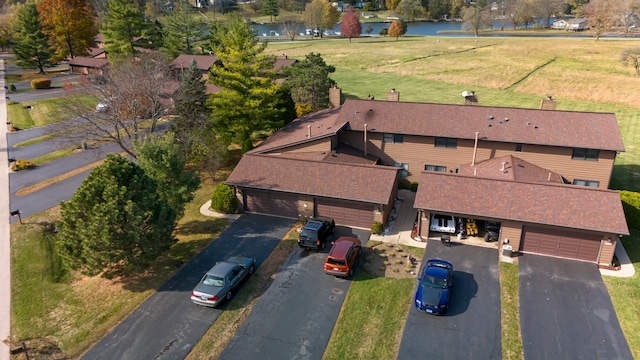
528, 123
490, 117
504, 163
309, 131
506, 119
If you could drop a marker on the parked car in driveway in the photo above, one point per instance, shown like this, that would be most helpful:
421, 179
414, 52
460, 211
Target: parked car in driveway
219, 283
434, 287
315, 232
343, 256
443, 223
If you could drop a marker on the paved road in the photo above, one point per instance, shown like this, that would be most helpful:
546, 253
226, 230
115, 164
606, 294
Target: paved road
471, 328
5, 233
566, 311
295, 317
168, 324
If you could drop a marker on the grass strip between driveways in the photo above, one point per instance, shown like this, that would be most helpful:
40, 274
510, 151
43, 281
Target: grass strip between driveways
625, 295
220, 333
510, 312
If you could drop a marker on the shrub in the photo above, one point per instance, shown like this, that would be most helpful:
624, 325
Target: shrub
12, 88
21, 164
413, 186
41, 83
247, 145
376, 228
631, 206
224, 199
304, 109
369, 6
383, 32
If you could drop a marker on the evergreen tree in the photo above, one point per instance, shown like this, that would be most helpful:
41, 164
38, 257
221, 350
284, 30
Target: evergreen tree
116, 222
161, 160
191, 109
31, 45
69, 25
122, 22
270, 7
309, 82
183, 33
249, 101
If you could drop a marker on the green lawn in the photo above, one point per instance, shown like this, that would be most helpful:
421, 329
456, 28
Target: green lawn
625, 295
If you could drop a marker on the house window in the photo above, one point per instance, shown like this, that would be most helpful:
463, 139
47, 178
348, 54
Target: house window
443, 142
518, 147
590, 183
405, 169
393, 138
435, 168
585, 154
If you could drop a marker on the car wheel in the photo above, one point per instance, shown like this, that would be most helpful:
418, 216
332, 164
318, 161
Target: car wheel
229, 295
251, 270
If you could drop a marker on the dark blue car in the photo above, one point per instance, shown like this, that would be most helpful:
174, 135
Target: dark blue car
434, 287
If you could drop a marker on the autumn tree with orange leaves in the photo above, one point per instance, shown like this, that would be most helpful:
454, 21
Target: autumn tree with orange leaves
69, 25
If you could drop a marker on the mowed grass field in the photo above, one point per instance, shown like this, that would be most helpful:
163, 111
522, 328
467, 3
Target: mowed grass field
580, 73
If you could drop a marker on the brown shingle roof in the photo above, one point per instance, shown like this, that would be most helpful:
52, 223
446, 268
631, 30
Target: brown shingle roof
204, 62
371, 184
89, 62
571, 206
283, 62
323, 124
527, 126
510, 168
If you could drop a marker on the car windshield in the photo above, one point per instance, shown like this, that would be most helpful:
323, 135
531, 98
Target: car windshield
213, 281
434, 281
333, 261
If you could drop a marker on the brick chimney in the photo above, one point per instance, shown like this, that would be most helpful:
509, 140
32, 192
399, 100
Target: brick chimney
393, 95
548, 104
471, 99
335, 96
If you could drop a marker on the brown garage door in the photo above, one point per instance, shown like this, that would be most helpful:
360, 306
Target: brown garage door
561, 243
349, 213
271, 203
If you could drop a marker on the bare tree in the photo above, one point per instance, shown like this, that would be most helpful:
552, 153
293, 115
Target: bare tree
475, 19
546, 9
291, 28
627, 13
600, 14
133, 95
631, 57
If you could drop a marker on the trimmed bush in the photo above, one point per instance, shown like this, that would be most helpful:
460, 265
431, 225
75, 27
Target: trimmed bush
376, 228
631, 206
224, 199
413, 186
12, 88
41, 83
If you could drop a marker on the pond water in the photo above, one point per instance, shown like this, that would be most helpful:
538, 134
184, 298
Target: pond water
415, 28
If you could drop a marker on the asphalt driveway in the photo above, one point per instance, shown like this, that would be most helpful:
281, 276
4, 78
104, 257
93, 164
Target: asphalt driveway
295, 317
167, 325
471, 327
566, 311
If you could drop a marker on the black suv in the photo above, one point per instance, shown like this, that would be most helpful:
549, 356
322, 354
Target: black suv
315, 232
491, 231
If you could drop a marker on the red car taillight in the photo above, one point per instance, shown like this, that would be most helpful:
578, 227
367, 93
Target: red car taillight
215, 298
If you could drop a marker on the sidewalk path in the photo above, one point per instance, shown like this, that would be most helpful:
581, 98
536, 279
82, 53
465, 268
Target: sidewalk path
5, 233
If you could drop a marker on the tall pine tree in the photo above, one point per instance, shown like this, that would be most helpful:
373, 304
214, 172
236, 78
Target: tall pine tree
31, 45
121, 23
250, 100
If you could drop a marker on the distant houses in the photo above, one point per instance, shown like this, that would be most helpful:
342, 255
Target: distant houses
576, 24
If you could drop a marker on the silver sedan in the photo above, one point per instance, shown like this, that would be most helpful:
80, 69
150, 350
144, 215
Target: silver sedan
219, 283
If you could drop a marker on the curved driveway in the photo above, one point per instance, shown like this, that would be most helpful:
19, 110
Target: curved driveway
167, 325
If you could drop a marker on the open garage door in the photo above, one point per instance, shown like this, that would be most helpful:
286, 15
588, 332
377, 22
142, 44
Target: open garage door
349, 213
271, 203
561, 243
